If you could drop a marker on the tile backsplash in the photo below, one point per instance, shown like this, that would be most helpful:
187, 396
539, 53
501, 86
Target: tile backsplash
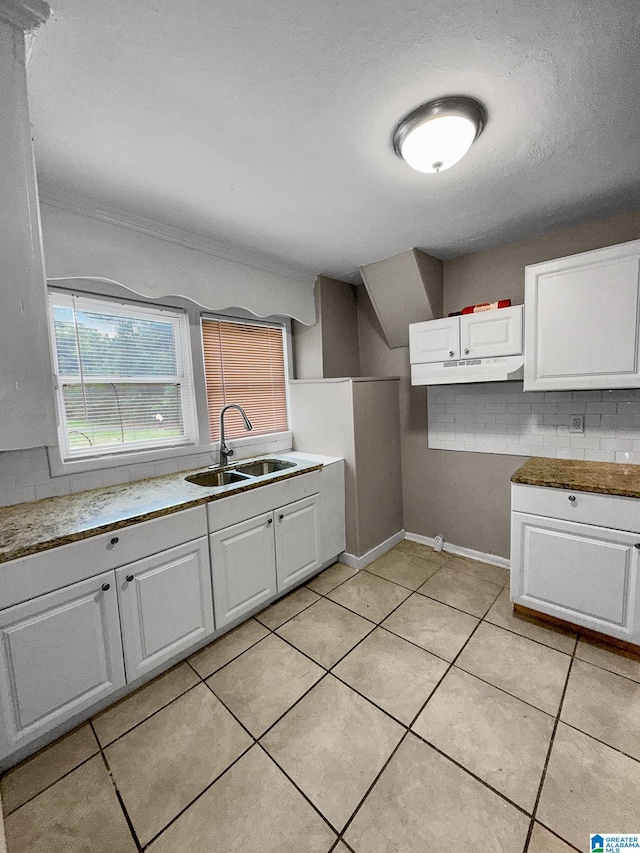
499, 417
24, 474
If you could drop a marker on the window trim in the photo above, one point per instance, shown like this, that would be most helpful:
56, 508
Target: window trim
203, 452
128, 450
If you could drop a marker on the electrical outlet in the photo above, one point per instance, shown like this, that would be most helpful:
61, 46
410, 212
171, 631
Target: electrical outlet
576, 423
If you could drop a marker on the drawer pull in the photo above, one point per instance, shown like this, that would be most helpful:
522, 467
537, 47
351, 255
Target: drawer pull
466, 352
129, 578
637, 545
114, 540
572, 498
269, 521
281, 517
450, 353
106, 586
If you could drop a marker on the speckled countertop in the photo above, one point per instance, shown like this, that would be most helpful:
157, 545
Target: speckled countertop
607, 478
28, 528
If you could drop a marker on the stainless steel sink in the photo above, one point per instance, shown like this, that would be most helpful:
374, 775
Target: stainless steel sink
264, 466
217, 478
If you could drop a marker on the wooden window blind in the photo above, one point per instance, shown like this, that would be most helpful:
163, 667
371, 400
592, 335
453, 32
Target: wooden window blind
244, 364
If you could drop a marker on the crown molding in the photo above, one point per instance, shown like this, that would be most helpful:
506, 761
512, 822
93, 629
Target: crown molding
181, 237
24, 14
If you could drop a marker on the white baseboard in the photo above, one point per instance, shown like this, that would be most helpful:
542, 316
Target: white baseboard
361, 562
483, 557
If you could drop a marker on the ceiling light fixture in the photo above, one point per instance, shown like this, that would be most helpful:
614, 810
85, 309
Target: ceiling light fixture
438, 134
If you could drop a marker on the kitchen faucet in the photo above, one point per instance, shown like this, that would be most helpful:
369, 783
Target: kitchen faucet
226, 452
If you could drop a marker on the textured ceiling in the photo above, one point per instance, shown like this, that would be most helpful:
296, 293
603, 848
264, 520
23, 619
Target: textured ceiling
267, 125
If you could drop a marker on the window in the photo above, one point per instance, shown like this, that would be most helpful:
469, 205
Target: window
245, 364
123, 376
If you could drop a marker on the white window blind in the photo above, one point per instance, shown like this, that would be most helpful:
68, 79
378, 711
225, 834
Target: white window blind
245, 364
124, 379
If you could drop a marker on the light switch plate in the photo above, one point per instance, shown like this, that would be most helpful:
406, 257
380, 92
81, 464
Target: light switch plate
576, 423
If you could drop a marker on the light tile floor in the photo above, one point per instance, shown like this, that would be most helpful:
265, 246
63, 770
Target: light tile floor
400, 709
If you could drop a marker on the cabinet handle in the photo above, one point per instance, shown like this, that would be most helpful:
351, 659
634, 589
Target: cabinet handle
106, 586
114, 540
129, 578
466, 352
637, 545
572, 498
269, 521
450, 353
281, 517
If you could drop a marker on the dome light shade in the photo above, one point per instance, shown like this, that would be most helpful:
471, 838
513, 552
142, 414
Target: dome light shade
438, 134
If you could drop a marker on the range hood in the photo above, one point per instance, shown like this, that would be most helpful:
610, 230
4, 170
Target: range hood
499, 369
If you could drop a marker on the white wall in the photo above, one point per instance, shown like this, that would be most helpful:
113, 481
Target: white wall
77, 245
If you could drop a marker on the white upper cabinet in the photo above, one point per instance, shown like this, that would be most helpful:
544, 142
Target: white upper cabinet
582, 320
434, 340
490, 334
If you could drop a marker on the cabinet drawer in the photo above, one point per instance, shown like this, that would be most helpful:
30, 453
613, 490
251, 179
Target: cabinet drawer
587, 508
236, 508
37, 574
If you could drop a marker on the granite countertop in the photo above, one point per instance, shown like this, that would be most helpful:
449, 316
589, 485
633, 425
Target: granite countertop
28, 528
607, 478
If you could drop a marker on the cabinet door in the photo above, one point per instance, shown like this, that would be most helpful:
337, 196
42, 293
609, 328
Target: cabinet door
165, 605
59, 654
491, 334
582, 315
435, 340
297, 541
577, 572
243, 565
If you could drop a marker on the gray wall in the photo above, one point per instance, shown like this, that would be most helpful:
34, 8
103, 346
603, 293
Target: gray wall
329, 349
465, 496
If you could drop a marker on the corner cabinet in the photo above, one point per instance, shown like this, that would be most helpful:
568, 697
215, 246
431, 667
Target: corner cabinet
575, 556
582, 318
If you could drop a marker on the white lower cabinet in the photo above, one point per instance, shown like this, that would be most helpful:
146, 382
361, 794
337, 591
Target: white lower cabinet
165, 605
243, 566
297, 529
253, 560
60, 653
583, 573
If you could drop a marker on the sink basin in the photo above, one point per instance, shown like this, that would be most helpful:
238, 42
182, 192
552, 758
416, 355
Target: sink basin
217, 478
264, 466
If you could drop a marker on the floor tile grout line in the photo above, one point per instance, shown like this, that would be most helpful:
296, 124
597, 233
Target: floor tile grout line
473, 775
506, 692
148, 717
218, 669
300, 791
228, 709
119, 797
517, 634
598, 740
196, 798
610, 671
84, 761
405, 734
549, 751
555, 835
